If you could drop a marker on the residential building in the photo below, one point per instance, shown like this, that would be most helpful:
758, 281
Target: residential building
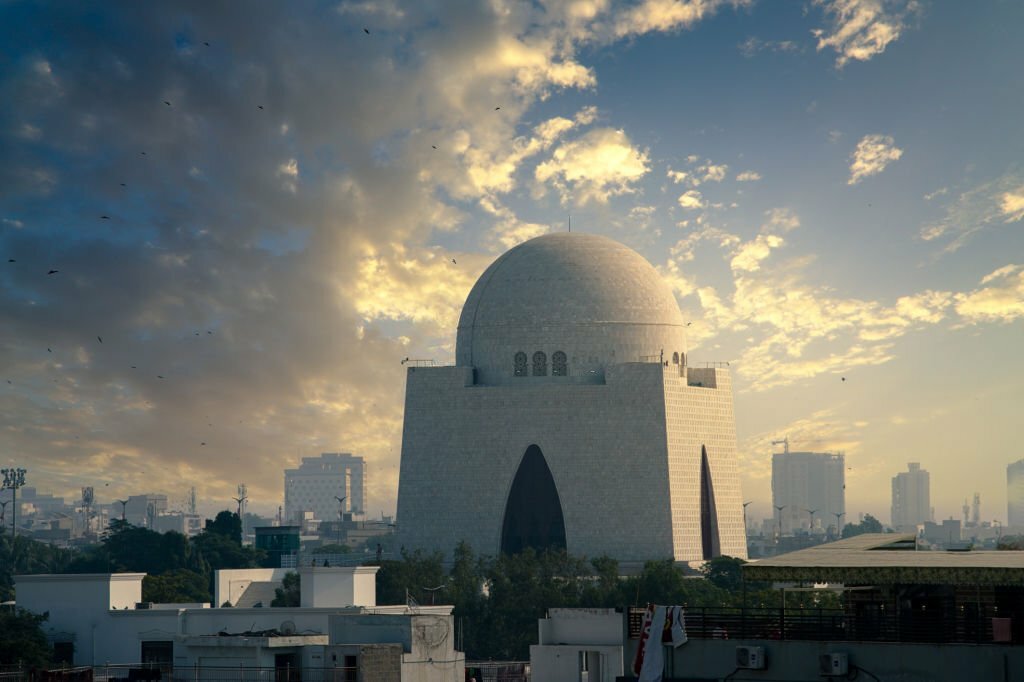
316, 484
809, 487
911, 498
1015, 494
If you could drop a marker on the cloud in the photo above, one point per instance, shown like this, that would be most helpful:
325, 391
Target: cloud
872, 155
595, 167
748, 176
752, 46
691, 199
997, 202
662, 16
999, 299
862, 29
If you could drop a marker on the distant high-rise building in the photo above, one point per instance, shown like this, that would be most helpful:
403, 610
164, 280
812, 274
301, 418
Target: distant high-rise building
911, 497
318, 481
1015, 494
142, 510
803, 481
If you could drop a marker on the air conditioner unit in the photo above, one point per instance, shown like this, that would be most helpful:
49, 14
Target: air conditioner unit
750, 657
833, 665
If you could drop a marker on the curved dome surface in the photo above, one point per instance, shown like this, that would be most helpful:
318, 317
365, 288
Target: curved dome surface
589, 297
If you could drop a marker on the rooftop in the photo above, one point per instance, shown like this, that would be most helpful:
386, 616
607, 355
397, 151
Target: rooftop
889, 559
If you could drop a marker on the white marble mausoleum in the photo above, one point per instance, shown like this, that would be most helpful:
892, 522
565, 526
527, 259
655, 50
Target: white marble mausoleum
572, 418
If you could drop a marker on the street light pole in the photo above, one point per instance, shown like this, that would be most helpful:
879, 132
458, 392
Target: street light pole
779, 510
838, 516
124, 508
745, 505
812, 512
14, 478
3, 516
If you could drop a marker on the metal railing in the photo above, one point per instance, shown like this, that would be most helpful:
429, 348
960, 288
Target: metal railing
870, 623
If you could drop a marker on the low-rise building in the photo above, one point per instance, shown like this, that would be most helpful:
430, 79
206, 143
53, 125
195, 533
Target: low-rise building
337, 633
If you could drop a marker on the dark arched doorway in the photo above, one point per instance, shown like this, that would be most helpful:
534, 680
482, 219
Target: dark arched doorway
710, 545
533, 513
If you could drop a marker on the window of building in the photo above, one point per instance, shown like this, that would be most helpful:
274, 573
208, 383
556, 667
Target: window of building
675, 358
520, 364
540, 364
559, 364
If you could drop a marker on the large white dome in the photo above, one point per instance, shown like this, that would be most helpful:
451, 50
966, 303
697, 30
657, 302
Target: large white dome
588, 297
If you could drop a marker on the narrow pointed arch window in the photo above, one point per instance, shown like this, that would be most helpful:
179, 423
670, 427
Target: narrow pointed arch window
540, 364
675, 358
559, 364
519, 368
710, 544
533, 511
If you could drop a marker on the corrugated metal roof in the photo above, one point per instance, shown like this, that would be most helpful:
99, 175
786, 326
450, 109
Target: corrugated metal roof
887, 559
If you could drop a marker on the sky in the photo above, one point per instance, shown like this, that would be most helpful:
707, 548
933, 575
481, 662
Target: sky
254, 211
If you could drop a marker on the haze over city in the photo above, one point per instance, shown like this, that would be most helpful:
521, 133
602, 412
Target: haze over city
222, 232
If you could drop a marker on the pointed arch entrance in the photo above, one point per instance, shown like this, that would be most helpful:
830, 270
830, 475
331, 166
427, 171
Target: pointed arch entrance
533, 513
710, 545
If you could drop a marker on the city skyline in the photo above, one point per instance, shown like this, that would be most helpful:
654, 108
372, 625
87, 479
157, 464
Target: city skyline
251, 224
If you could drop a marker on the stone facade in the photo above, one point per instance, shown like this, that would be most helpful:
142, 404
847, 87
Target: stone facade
623, 429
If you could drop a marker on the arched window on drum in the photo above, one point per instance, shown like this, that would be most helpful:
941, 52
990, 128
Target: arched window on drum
559, 364
540, 364
675, 358
519, 368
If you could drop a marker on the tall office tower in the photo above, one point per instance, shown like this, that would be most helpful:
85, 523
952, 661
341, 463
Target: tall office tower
911, 503
1015, 493
572, 418
318, 481
803, 481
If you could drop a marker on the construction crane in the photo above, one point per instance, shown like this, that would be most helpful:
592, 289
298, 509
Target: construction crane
785, 443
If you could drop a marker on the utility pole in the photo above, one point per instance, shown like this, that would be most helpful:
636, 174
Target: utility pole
14, 478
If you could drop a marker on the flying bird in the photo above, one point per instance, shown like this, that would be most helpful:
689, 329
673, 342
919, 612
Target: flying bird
53, 272
104, 217
259, 106
496, 108
100, 339
207, 44
844, 378
434, 146
202, 443
167, 103
454, 261
11, 260
366, 31
134, 367
159, 376
49, 350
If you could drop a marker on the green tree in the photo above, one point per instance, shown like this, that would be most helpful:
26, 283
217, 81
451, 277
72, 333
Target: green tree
180, 585
409, 576
25, 556
725, 572
290, 592
869, 525
226, 523
22, 639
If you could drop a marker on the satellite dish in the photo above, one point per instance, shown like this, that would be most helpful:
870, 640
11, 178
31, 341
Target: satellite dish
287, 628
